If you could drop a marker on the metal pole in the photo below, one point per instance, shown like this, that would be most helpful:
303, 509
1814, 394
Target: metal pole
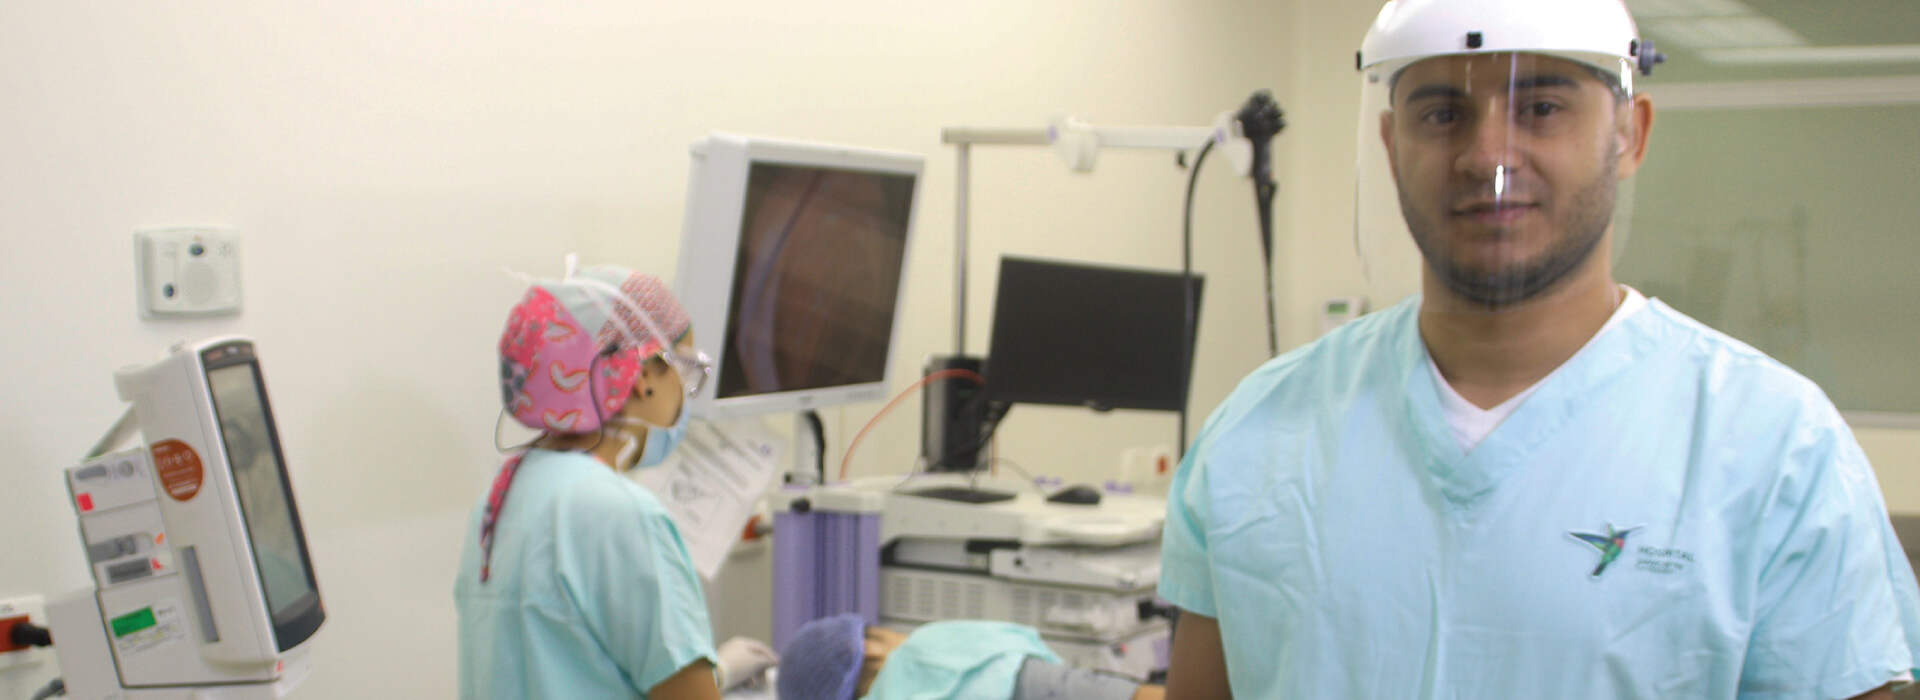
964, 137
960, 252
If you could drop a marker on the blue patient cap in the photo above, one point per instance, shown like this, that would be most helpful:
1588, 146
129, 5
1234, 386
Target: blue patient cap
822, 660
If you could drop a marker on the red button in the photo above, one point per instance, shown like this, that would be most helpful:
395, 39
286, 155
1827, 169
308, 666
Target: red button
86, 502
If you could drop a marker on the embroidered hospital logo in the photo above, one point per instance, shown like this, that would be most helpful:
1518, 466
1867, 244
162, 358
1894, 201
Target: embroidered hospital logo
1610, 545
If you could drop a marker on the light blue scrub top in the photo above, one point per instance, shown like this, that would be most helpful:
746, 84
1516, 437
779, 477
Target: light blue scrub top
591, 595
1329, 520
959, 660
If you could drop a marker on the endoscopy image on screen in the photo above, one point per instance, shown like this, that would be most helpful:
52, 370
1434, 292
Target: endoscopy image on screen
816, 280
258, 477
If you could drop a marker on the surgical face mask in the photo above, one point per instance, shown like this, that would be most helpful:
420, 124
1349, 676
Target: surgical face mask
661, 440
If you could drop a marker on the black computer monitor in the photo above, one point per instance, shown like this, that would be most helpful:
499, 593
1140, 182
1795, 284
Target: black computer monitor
1103, 337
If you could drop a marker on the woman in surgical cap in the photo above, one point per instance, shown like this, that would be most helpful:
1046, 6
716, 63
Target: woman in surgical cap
574, 582
843, 658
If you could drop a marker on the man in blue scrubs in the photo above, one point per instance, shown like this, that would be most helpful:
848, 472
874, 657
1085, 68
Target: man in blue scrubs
1527, 481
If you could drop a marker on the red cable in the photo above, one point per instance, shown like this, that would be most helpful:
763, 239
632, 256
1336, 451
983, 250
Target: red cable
942, 374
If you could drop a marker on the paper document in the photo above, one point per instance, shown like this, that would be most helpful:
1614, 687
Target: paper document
711, 484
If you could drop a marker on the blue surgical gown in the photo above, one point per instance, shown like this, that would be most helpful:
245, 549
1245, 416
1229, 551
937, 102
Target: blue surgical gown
591, 593
1671, 515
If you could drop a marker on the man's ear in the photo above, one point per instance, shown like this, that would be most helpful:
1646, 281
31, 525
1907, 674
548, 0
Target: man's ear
1632, 136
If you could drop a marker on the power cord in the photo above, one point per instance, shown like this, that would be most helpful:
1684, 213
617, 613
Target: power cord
1187, 327
904, 393
819, 445
1023, 473
29, 634
57, 687
25, 633
990, 417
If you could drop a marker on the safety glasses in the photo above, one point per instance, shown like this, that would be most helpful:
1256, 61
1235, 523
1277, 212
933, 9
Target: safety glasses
694, 369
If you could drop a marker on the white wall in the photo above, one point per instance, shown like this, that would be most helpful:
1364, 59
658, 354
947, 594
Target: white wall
383, 161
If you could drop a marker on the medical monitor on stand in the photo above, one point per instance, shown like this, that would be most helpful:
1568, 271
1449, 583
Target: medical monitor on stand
791, 266
203, 587
1074, 334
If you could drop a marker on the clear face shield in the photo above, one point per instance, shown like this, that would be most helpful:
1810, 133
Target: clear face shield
1491, 181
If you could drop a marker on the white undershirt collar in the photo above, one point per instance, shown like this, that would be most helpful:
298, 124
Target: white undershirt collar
1471, 424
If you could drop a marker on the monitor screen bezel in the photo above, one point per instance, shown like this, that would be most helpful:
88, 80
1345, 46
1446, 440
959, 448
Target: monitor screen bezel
710, 244
1001, 341
296, 622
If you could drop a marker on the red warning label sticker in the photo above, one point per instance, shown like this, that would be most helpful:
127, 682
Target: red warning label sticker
179, 468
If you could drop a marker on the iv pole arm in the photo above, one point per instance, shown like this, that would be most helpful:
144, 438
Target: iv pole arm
1078, 143
1161, 137
1241, 135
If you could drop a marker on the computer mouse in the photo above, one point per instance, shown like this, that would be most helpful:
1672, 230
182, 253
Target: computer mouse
1081, 495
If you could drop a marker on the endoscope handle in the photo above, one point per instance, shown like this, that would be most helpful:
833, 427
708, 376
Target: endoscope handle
1260, 120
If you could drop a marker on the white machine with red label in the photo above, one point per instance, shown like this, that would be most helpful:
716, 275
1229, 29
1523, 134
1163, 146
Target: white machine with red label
203, 586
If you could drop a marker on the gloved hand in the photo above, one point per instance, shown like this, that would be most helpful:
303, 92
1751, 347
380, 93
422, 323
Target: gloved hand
743, 660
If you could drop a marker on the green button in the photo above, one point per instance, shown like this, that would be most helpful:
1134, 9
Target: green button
133, 622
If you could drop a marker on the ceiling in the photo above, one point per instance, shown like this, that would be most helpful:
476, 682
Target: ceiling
1719, 40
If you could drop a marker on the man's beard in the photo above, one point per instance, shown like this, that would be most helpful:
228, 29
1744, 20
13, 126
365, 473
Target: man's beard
1508, 286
